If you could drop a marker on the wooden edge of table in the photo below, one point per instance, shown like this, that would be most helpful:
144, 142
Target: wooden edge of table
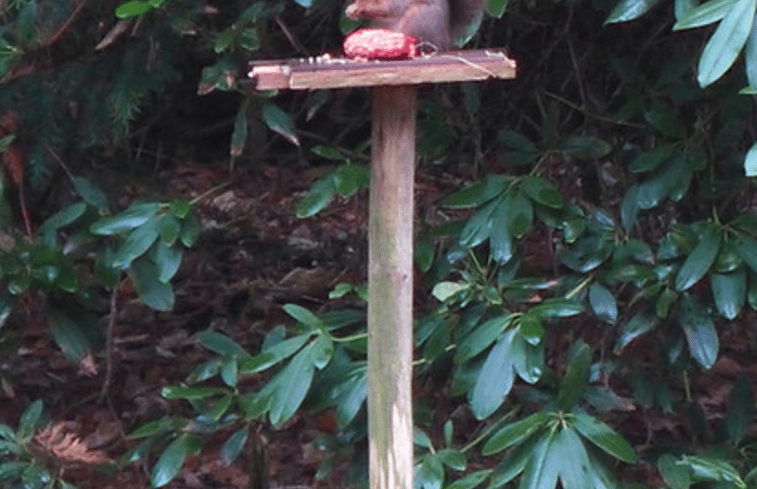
328, 72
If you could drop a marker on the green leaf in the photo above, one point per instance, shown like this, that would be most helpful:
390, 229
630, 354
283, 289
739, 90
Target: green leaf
729, 292
700, 332
515, 462
576, 377
62, 218
190, 230
91, 193
530, 328
452, 458
355, 393
663, 118
69, 336
515, 433
233, 446
571, 459
627, 10
520, 214
292, 385
477, 193
304, 317
726, 43
134, 216
230, 371
320, 195
603, 303
542, 469
750, 58
157, 427
675, 475
167, 259
542, 192
239, 135
700, 260
152, 292
172, 459
480, 338
35, 476
430, 473
750, 162
131, 9
747, 250
221, 344
499, 231
279, 121
323, 349
348, 179
29, 421
713, 469
559, 308
471, 480
528, 359
604, 437
706, 13
495, 378
170, 229
191, 393
740, 409
651, 160
138, 242
585, 147
180, 208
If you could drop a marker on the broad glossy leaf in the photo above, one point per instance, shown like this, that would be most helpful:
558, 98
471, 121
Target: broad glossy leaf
665, 301
576, 377
303, 316
663, 118
700, 332
239, 134
604, 437
729, 292
629, 208
348, 179
586, 254
172, 459
170, 229
700, 260
221, 344
279, 121
152, 292
706, 13
520, 214
542, 192
30, 420
531, 328
430, 474
514, 462
479, 226
747, 250
572, 460
132, 217
69, 335
64, 217
500, 232
675, 475
190, 230
728, 259
230, 371
137, 243
471, 480
192, 392
523, 151
603, 303
713, 469
726, 43
543, 466
740, 409
515, 433
651, 160
585, 147
481, 338
750, 162
320, 195
233, 447
495, 378
35, 476
133, 8
293, 384
477, 193
167, 259
684, 8
750, 57
322, 349
356, 391
559, 308
528, 360
452, 458
157, 427
626, 10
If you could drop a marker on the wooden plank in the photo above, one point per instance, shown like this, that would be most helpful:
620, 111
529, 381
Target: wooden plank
327, 72
390, 288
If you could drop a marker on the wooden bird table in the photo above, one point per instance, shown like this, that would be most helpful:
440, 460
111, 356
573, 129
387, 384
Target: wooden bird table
390, 223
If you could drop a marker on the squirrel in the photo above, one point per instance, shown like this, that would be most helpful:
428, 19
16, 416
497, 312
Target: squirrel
438, 23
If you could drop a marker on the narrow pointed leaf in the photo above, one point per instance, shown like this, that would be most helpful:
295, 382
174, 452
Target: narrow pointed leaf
706, 13
515, 433
740, 409
700, 260
604, 437
700, 332
726, 43
495, 378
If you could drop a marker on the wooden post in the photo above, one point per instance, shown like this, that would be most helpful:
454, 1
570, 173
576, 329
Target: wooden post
390, 288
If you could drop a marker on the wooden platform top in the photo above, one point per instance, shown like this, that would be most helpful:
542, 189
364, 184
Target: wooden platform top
328, 72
